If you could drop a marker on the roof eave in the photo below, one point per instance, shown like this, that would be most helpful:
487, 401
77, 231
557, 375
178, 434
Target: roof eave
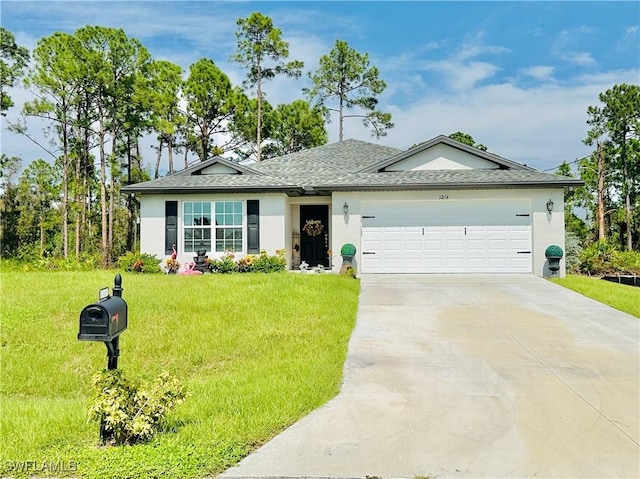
203, 189
458, 186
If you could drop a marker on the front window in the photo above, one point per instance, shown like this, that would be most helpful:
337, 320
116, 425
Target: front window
199, 229
229, 226
197, 226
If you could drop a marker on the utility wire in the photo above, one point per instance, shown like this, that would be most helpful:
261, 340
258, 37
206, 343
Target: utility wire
570, 163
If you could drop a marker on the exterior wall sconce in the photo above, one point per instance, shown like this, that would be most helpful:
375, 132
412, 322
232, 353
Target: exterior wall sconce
550, 206
345, 208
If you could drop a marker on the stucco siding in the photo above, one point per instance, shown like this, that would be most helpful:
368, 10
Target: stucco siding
546, 228
441, 157
273, 222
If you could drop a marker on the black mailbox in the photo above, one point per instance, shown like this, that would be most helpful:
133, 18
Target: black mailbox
104, 320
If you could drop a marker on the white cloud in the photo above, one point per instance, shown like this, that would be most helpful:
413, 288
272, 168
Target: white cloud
583, 59
629, 40
540, 72
463, 76
540, 126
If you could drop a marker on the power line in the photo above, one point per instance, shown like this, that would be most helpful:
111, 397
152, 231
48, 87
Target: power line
570, 163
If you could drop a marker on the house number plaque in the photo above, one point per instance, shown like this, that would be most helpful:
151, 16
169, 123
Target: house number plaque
443, 197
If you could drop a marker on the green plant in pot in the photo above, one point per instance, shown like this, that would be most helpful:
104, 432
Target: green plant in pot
348, 251
554, 254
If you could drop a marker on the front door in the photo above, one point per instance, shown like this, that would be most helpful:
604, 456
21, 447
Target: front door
314, 234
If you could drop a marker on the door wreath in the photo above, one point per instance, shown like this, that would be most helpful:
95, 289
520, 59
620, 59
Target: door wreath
313, 227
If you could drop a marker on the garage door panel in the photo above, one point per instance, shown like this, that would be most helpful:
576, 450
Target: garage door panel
447, 237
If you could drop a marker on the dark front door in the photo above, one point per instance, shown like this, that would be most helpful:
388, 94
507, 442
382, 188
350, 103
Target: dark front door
314, 234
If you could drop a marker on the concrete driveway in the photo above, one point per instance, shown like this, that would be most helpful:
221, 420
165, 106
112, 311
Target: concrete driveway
473, 376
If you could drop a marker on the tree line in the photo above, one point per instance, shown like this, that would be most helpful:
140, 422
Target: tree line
611, 195
100, 92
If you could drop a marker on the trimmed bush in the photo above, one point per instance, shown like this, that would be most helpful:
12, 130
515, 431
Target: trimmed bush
553, 251
348, 249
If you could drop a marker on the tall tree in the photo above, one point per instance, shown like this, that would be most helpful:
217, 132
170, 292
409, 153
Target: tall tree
13, 60
616, 124
296, 126
166, 85
210, 105
572, 198
9, 213
262, 51
345, 76
244, 127
55, 80
112, 64
37, 190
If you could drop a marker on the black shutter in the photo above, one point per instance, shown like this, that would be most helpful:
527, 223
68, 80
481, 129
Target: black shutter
253, 226
170, 225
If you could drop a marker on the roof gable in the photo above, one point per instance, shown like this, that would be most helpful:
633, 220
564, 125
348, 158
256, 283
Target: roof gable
217, 166
443, 153
442, 157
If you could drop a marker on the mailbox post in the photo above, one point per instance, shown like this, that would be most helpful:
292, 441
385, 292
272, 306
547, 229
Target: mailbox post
104, 321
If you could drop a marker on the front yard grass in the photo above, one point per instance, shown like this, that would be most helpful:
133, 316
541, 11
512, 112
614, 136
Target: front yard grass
620, 296
257, 352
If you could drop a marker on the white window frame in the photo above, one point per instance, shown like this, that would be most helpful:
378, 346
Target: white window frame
222, 215
215, 208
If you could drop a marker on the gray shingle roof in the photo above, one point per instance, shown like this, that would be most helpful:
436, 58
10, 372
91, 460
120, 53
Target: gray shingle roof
429, 179
349, 165
213, 183
325, 162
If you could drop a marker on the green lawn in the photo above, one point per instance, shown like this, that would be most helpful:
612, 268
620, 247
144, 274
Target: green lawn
257, 352
619, 296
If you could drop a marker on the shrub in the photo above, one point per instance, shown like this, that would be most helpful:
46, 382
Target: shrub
86, 262
603, 257
597, 258
139, 263
264, 263
626, 262
133, 412
245, 263
573, 250
171, 265
226, 264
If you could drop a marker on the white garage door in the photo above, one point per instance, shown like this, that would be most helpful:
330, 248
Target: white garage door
447, 237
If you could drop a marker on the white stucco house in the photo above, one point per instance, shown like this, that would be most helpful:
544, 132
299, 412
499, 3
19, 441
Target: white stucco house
439, 207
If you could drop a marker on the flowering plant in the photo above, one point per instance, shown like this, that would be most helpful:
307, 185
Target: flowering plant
171, 265
313, 227
245, 263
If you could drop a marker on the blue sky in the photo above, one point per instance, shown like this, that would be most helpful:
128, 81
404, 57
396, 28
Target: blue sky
517, 76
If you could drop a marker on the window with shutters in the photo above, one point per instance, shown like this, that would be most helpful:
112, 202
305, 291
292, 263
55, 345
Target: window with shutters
213, 226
